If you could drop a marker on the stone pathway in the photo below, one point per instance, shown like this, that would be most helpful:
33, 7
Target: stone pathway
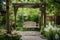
31, 35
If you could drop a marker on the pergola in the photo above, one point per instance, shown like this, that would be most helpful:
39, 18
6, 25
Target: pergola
42, 7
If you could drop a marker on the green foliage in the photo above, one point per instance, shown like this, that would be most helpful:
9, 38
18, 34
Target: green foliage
2, 7
19, 28
52, 34
26, 1
6, 37
42, 30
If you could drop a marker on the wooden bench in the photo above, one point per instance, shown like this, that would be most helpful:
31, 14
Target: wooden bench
30, 24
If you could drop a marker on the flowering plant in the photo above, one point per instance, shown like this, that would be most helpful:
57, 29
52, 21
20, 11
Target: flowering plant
52, 32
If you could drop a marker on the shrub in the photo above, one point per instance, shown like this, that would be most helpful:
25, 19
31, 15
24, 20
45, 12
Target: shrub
13, 36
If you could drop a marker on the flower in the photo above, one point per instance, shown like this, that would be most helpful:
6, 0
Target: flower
56, 36
49, 26
15, 33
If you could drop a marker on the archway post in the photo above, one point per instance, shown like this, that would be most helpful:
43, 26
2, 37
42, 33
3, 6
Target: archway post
7, 17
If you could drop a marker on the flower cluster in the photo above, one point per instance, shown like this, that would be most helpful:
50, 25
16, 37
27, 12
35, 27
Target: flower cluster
49, 26
53, 31
14, 33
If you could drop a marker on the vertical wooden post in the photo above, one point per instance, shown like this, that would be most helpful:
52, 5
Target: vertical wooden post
45, 15
41, 18
15, 13
7, 17
43, 11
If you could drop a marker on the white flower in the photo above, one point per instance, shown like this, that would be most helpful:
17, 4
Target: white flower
56, 36
4, 2
46, 26
58, 29
54, 28
49, 24
14, 32
46, 29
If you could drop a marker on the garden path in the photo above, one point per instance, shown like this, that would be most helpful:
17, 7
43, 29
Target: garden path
32, 35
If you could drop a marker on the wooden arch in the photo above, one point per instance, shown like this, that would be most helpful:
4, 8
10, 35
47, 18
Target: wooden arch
42, 7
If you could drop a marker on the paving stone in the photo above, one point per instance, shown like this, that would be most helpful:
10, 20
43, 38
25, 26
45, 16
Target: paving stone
32, 38
31, 35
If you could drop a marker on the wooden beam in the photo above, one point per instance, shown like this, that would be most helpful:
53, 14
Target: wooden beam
27, 5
